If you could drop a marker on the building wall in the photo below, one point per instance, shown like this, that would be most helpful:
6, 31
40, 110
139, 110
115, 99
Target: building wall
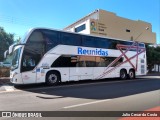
103, 23
86, 20
85, 31
117, 26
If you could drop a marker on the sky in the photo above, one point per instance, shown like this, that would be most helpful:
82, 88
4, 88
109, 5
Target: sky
17, 16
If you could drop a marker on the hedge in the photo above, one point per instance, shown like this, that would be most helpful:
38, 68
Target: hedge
4, 72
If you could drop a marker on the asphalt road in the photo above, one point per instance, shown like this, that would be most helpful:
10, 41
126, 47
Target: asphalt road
106, 95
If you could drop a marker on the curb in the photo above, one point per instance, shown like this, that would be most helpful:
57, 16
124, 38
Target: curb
153, 74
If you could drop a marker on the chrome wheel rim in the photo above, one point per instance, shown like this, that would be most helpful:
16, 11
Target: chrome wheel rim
131, 74
123, 75
52, 78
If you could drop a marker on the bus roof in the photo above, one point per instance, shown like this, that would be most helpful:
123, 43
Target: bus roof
37, 28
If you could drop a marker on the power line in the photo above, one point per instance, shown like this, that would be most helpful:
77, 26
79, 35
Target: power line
19, 21
13, 20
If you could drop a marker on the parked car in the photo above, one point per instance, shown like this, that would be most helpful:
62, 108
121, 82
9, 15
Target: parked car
6, 64
1, 64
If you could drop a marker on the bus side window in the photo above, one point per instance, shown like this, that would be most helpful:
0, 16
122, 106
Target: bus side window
51, 39
119, 61
88, 41
74, 61
31, 62
102, 62
81, 64
28, 61
70, 39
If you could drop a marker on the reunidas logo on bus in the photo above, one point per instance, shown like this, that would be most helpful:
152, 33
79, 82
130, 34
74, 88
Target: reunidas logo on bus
96, 51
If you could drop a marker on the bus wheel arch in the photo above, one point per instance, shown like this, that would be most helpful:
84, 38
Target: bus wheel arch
53, 77
131, 74
123, 74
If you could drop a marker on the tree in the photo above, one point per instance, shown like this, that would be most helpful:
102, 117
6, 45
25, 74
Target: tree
153, 56
157, 57
6, 39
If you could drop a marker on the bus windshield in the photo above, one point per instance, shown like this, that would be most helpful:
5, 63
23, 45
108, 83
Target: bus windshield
15, 58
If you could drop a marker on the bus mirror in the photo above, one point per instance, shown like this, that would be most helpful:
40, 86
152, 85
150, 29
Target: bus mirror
11, 48
5, 54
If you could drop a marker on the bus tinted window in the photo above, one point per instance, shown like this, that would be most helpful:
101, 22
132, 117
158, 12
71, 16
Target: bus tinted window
30, 58
33, 51
70, 39
88, 41
126, 43
102, 43
141, 45
62, 61
113, 44
100, 62
85, 61
51, 38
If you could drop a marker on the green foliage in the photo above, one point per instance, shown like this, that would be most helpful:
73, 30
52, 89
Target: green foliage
6, 39
153, 56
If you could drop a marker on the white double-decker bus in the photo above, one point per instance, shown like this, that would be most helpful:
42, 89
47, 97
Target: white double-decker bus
54, 56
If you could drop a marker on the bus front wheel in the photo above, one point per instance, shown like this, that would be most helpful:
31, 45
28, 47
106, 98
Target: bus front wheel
52, 78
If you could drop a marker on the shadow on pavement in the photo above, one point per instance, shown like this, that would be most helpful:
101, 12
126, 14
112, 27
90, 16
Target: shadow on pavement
103, 89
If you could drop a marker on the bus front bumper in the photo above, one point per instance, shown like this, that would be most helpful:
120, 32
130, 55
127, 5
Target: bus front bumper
15, 78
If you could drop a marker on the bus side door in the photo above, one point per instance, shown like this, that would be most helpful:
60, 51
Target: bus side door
28, 70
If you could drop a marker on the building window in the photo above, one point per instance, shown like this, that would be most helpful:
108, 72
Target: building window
127, 30
80, 28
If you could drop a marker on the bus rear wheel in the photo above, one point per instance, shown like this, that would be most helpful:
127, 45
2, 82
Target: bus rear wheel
52, 78
123, 74
131, 74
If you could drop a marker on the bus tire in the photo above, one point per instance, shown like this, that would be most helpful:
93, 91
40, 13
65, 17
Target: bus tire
123, 74
52, 78
131, 74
